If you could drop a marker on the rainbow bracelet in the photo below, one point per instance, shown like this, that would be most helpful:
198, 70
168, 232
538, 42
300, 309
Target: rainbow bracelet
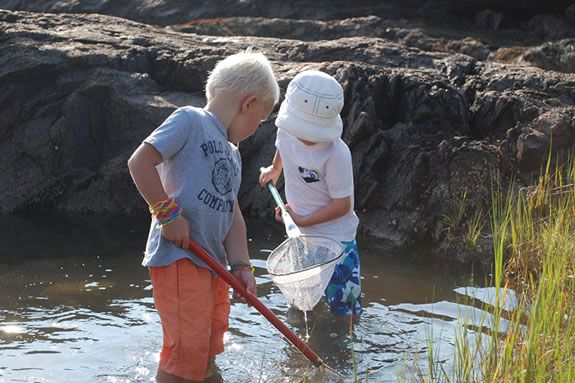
165, 211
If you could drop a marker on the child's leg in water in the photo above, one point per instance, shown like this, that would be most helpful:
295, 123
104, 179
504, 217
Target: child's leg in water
220, 315
343, 293
213, 373
164, 377
185, 300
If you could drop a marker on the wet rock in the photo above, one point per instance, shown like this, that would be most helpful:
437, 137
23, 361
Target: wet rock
425, 128
555, 128
170, 12
489, 19
532, 148
166, 12
551, 27
469, 46
298, 29
558, 56
508, 55
570, 12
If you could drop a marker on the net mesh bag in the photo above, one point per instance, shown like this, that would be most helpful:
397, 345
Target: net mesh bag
302, 267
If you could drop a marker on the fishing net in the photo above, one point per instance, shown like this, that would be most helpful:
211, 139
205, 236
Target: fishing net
302, 267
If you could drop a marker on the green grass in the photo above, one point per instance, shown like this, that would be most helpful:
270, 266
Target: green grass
461, 225
533, 232
534, 253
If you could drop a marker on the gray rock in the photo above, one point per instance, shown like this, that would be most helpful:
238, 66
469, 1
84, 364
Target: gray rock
80, 92
489, 19
558, 56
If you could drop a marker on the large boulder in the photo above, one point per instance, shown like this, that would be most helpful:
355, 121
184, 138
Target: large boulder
166, 12
426, 129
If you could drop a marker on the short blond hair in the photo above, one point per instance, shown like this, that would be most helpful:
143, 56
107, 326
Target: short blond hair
246, 72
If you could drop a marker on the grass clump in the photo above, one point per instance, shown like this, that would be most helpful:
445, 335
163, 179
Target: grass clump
534, 252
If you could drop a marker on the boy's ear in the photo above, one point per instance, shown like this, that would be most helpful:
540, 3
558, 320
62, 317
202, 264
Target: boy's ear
249, 102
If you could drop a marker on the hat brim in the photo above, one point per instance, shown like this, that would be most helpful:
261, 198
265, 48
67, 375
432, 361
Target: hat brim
306, 130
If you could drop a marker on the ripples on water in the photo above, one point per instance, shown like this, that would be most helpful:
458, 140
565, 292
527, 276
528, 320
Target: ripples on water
76, 306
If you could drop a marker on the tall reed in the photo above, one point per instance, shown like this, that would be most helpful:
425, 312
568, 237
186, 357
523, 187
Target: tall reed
533, 233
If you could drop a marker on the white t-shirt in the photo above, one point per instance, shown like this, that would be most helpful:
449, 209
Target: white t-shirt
314, 175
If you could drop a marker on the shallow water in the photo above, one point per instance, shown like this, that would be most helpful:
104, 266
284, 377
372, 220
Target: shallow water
76, 306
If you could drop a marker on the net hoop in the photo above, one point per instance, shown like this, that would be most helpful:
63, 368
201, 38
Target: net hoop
333, 260
303, 274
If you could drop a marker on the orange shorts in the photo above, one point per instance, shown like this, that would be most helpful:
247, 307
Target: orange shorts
194, 308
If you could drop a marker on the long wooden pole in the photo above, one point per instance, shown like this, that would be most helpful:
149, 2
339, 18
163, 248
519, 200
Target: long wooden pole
255, 302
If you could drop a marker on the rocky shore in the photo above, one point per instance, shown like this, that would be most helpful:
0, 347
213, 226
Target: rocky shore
438, 109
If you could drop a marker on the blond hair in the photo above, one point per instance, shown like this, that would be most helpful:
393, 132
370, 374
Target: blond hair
246, 72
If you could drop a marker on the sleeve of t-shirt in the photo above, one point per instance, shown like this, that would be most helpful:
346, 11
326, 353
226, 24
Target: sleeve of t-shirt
278, 138
170, 137
339, 174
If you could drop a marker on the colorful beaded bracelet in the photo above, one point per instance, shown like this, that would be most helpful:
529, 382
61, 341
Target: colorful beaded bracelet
165, 211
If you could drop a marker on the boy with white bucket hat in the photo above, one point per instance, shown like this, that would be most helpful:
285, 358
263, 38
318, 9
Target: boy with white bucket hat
318, 177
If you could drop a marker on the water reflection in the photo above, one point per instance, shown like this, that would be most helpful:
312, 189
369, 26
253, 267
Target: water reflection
76, 306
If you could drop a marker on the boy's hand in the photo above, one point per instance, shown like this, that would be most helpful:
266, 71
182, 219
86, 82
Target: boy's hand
269, 174
297, 219
248, 280
177, 231
279, 217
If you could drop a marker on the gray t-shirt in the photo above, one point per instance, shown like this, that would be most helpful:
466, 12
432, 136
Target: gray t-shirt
201, 170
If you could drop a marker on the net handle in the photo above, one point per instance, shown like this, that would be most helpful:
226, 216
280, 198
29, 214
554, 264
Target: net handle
292, 230
198, 250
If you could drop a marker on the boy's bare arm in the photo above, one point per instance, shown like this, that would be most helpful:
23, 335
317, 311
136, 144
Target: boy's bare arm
236, 245
338, 207
272, 173
142, 165
277, 161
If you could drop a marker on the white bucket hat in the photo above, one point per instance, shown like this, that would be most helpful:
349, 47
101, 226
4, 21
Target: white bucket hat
310, 110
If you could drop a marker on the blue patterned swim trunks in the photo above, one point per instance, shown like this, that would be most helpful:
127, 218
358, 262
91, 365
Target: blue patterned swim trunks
343, 292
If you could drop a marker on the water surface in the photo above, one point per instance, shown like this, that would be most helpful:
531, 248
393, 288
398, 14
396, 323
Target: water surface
76, 306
